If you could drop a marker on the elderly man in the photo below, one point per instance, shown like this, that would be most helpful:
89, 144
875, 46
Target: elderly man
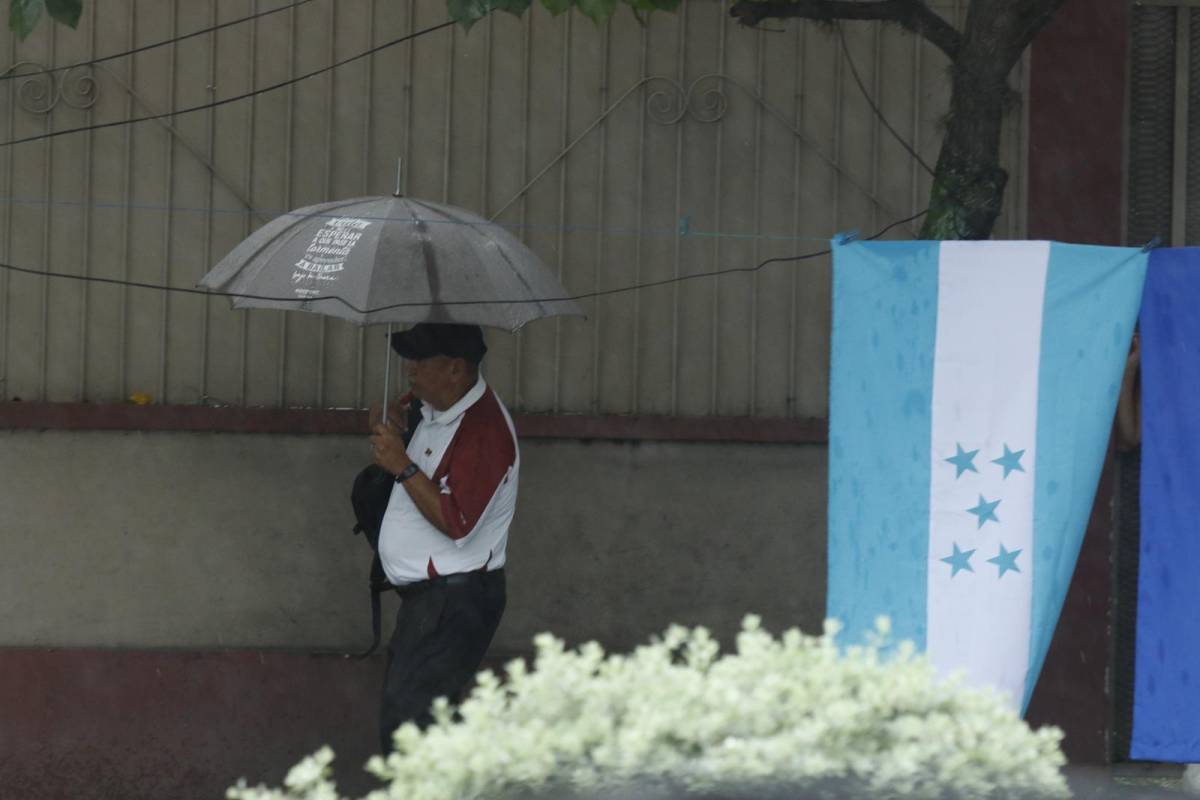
444, 533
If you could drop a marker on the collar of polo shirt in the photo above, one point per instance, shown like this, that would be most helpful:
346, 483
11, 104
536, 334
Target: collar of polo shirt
435, 417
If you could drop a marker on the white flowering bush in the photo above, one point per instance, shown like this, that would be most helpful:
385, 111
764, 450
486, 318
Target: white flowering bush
796, 712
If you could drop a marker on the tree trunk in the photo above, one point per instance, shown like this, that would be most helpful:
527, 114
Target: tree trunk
968, 184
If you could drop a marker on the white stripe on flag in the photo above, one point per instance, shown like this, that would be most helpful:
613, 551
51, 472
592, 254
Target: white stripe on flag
985, 399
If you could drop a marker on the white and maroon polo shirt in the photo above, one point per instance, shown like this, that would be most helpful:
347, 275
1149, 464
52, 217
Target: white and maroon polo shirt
470, 451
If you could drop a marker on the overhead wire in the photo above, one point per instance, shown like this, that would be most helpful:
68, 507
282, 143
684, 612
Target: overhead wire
862, 87
301, 303
154, 45
683, 228
236, 98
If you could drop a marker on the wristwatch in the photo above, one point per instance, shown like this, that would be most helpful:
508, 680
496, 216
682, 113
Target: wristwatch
408, 472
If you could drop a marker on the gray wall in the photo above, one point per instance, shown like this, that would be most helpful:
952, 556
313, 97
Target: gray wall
202, 541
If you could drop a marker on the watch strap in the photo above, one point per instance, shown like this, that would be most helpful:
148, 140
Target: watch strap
407, 472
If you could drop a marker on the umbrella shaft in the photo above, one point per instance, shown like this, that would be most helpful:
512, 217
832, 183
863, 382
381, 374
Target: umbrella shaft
387, 373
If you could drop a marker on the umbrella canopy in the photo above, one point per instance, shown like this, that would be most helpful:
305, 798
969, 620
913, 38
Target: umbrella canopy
391, 259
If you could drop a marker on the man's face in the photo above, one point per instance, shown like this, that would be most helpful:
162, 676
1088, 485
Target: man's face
432, 380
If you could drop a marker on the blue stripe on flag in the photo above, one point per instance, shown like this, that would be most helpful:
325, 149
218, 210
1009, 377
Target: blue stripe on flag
1166, 706
884, 324
1092, 296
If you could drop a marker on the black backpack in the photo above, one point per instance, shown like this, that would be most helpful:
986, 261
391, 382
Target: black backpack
369, 496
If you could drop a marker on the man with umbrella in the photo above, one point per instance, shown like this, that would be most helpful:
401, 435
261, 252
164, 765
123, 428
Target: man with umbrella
444, 533
376, 260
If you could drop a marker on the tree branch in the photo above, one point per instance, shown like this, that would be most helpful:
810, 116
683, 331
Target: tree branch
914, 15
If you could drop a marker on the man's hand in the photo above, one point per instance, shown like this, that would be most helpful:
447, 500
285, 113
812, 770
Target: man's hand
390, 454
397, 414
388, 447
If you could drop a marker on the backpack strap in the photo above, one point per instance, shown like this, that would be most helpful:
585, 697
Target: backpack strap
378, 585
372, 490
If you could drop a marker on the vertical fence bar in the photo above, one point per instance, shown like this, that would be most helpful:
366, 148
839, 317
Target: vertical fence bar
248, 192
169, 194
760, 52
485, 113
676, 243
485, 100
210, 186
915, 168
86, 234
527, 77
327, 190
836, 189
406, 146
798, 121
1179, 169
288, 136
876, 136
639, 204
407, 91
715, 374
47, 222
127, 197
6, 243
601, 171
564, 129
360, 340
448, 115
1192, 224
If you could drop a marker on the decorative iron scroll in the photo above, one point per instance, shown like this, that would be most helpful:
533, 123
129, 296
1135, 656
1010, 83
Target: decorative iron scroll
41, 90
669, 105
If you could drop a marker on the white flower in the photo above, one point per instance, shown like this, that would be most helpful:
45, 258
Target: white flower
789, 711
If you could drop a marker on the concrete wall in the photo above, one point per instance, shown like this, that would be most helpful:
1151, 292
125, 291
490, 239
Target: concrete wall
210, 541
173, 606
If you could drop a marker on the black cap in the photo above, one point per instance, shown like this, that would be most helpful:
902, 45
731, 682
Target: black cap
428, 339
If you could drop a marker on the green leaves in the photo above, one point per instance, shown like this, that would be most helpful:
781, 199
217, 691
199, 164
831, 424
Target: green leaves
65, 11
468, 12
24, 15
598, 10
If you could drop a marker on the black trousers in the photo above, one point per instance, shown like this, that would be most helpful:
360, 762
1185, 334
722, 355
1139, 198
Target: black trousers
443, 630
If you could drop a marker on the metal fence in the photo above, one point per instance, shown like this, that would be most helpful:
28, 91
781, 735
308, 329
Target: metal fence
1163, 177
623, 154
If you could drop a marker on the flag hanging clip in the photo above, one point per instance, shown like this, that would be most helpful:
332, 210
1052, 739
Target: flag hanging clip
846, 237
1153, 243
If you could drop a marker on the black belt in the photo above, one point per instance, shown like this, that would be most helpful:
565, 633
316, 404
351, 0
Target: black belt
379, 585
454, 579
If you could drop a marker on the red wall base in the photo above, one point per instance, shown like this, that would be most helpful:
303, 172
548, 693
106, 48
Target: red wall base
129, 725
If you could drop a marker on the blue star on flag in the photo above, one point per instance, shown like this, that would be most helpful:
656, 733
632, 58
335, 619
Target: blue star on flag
1006, 561
1010, 461
985, 511
959, 560
962, 460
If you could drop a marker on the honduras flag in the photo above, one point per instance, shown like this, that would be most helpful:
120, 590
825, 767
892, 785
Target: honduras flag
1166, 698
972, 392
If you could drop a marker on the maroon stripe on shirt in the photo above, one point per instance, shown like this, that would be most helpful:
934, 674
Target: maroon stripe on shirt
475, 462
